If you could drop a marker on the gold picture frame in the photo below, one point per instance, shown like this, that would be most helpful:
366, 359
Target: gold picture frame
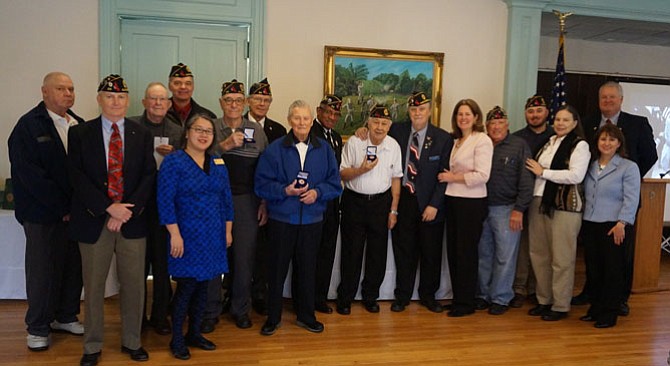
370, 75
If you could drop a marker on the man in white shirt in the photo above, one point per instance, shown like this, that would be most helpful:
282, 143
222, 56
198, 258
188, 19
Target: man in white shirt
371, 170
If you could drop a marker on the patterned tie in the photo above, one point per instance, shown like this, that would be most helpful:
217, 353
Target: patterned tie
413, 163
329, 138
115, 166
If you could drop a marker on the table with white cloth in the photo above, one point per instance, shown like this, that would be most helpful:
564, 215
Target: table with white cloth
12, 260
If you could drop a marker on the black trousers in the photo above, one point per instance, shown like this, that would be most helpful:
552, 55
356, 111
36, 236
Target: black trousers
364, 228
190, 298
327, 246
53, 276
465, 219
414, 241
299, 243
157, 261
606, 266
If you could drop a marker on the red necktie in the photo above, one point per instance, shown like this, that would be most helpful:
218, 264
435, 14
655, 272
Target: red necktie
115, 166
608, 122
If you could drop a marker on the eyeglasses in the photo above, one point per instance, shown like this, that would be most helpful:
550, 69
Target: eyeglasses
157, 99
261, 100
203, 131
230, 101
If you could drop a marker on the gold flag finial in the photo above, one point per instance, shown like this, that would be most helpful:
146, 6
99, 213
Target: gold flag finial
561, 19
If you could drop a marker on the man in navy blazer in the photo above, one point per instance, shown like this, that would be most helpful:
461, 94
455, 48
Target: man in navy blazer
418, 234
105, 222
37, 152
640, 147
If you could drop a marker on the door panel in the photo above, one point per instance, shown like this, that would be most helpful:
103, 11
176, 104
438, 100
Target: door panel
214, 52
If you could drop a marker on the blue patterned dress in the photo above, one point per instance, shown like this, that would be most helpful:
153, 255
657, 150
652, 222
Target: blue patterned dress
200, 204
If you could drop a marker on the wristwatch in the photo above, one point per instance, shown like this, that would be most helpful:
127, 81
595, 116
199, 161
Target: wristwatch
394, 212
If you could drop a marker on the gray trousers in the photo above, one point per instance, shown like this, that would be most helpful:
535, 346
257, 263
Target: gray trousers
96, 259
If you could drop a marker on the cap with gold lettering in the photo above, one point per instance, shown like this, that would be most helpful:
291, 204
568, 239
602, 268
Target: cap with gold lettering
333, 101
232, 87
417, 98
261, 88
496, 113
180, 71
380, 111
114, 84
535, 101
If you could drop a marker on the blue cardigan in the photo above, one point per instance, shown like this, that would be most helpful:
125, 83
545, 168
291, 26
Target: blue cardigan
279, 165
613, 194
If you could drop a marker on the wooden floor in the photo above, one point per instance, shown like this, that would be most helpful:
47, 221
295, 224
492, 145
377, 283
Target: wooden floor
415, 336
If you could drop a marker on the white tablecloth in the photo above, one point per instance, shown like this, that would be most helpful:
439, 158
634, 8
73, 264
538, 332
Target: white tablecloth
12, 263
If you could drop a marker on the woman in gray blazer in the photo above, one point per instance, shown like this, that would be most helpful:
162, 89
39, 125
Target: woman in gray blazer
612, 187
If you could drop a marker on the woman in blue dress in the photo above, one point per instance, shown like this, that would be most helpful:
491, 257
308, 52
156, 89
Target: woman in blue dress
195, 204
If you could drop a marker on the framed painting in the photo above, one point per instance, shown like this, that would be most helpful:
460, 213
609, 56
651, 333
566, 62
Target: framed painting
363, 77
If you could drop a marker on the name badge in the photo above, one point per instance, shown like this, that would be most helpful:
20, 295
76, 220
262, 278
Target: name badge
218, 161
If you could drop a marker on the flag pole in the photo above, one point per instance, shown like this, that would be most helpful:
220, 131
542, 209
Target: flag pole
558, 95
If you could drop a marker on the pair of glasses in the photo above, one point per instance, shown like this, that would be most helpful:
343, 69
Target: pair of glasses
203, 131
230, 101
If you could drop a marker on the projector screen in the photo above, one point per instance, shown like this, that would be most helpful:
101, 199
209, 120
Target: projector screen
653, 102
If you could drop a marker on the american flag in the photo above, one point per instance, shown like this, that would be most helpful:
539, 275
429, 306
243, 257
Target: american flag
558, 96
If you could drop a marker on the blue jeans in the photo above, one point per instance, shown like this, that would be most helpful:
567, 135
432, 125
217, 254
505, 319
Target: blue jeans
498, 249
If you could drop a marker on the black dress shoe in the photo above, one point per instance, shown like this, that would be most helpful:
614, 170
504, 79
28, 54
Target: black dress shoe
343, 309
587, 318
432, 305
242, 321
539, 310
481, 304
371, 306
458, 312
89, 359
322, 307
553, 316
517, 301
180, 352
208, 325
161, 327
624, 309
200, 342
269, 328
136, 354
497, 309
600, 324
260, 307
581, 299
314, 327
398, 306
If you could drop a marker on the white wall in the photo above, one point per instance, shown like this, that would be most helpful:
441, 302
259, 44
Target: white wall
471, 34
39, 36
606, 58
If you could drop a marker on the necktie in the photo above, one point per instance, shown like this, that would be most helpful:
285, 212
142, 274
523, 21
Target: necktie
329, 138
608, 122
115, 166
413, 163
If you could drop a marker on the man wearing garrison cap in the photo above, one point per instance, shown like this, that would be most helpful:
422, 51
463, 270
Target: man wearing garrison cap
536, 134
327, 115
371, 170
239, 142
510, 190
112, 173
181, 86
259, 101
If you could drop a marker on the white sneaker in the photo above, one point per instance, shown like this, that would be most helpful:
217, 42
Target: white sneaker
75, 328
37, 343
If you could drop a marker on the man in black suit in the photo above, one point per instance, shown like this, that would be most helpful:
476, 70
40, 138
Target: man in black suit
182, 85
112, 170
259, 101
327, 115
37, 151
640, 147
418, 234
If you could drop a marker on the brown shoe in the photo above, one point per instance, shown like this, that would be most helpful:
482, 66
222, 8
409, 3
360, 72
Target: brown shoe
517, 301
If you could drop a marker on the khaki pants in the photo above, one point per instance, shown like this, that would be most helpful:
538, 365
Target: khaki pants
553, 248
96, 259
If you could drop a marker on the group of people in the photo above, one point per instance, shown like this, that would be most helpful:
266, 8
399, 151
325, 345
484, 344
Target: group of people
188, 197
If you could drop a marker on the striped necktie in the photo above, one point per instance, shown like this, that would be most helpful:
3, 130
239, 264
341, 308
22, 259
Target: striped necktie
413, 163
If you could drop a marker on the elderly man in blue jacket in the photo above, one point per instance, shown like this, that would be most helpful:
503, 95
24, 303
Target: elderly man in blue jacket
297, 175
